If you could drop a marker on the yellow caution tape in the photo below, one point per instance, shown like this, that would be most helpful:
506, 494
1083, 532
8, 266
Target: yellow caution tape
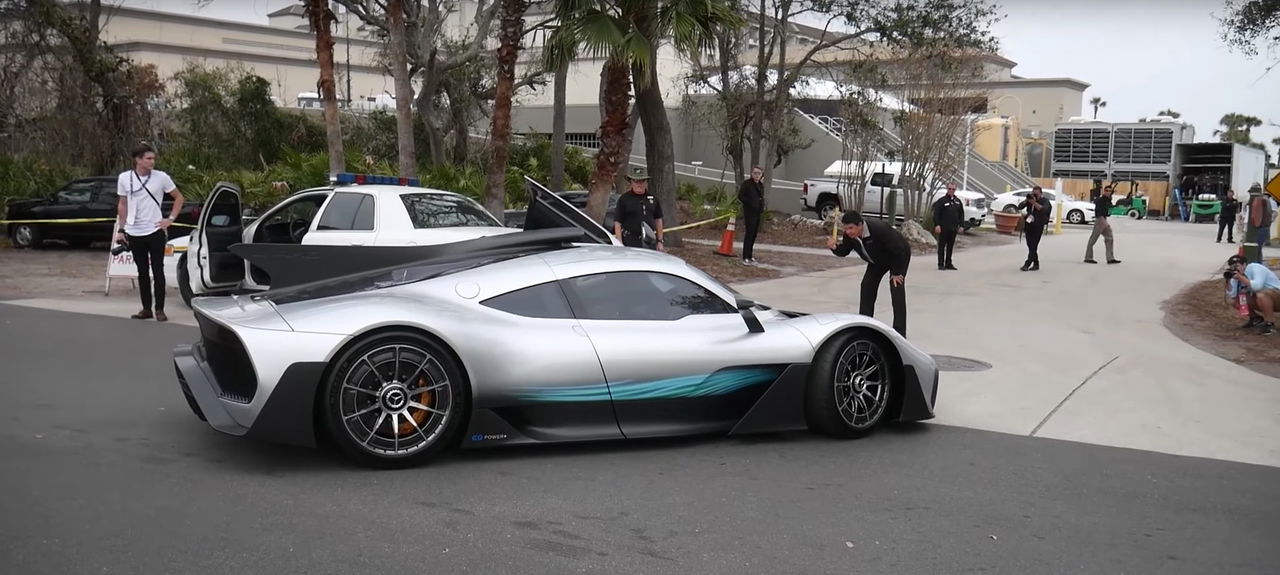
696, 224
77, 221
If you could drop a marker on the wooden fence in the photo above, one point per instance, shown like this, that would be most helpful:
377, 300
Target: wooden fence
1157, 192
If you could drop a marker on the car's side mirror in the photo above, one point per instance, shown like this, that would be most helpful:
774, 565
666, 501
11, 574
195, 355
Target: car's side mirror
748, 315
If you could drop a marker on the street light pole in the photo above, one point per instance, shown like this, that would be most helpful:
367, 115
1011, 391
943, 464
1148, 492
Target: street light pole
968, 135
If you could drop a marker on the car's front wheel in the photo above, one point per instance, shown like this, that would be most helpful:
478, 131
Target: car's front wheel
184, 281
850, 385
26, 236
394, 400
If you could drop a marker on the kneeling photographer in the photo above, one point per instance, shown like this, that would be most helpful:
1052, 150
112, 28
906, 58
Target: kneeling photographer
1262, 288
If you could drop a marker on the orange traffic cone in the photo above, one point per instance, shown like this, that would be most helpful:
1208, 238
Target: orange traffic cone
726, 240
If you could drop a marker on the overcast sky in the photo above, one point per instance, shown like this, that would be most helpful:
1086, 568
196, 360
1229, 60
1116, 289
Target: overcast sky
1140, 56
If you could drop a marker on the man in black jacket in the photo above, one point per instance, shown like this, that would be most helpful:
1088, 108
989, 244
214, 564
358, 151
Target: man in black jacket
948, 216
751, 195
1227, 216
885, 251
1037, 217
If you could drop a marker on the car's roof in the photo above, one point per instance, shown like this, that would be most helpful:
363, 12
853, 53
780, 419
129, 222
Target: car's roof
379, 190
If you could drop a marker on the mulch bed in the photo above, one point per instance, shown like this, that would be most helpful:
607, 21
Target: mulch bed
1202, 316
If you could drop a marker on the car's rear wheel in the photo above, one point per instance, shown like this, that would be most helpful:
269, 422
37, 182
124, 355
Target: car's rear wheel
1010, 209
827, 208
394, 400
851, 384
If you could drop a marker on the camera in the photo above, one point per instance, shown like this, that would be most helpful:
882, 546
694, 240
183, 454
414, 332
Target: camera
1228, 274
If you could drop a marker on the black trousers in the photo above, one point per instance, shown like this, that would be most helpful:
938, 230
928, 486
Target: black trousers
871, 288
946, 245
1225, 224
1033, 233
753, 228
148, 255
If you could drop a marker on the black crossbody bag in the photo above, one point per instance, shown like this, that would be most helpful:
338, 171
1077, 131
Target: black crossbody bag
159, 206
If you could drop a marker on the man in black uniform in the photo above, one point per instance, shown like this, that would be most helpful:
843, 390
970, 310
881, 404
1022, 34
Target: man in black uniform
1227, 216
751, 195
637, 219
948, 216
1037, 217
885, 251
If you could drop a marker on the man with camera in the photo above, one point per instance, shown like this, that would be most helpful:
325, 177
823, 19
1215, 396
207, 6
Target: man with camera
144, 227
1262, 288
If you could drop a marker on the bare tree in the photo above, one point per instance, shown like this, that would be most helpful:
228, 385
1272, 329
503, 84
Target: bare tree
937, 92
322, 18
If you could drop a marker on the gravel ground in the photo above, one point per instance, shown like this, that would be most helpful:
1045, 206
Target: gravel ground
1203, 317
57, 272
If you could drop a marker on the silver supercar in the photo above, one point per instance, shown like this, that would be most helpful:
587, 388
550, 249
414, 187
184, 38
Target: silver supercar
539, 336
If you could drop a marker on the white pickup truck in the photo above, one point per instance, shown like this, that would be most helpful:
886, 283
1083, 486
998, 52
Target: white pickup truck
835, 191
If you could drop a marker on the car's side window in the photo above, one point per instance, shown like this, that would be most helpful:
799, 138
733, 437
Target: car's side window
544, 300
348, 211
881, 179
76, 193
647, 296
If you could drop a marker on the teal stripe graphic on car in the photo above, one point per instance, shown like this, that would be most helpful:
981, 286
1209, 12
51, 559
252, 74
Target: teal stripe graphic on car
722, 382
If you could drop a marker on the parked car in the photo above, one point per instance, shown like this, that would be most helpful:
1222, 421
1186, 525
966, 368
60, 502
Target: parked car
356, 211
84, 198
1076, 211
835, 191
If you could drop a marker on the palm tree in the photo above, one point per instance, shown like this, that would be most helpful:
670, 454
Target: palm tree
628, 33
1238, 128
1097, 102
510, 29
321, 18
1170, 113
398, 20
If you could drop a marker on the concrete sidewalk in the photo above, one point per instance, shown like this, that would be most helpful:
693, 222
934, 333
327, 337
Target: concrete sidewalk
1079, 351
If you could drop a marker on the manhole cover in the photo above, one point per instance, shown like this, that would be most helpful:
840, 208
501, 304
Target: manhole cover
952, 363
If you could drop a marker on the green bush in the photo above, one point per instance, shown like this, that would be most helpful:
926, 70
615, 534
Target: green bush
31, 177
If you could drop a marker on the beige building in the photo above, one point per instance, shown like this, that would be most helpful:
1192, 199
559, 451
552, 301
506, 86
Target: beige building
283, 52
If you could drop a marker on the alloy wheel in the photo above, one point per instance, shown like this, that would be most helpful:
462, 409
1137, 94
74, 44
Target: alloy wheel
861, 384
396, 400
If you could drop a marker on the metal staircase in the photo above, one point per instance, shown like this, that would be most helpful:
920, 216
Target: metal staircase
985, 176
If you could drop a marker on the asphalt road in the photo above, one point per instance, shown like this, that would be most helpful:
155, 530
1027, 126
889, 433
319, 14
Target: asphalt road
104, 469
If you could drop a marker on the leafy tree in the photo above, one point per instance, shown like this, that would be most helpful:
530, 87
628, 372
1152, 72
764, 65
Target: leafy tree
1249, 21
1237, 128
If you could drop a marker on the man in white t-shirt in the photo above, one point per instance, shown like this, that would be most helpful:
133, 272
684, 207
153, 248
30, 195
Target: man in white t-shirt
141, 192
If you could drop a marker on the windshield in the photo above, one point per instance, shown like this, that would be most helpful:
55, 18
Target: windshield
428, 210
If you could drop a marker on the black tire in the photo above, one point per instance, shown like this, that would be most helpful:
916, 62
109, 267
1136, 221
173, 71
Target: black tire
1075, 217
1133, 213
826, 398
26, 236
826, 208
184, 281
354, 420
1010, 209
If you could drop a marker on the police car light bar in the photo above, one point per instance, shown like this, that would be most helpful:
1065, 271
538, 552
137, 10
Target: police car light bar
365, 179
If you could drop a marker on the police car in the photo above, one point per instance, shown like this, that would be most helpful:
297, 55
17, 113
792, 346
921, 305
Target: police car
355, 210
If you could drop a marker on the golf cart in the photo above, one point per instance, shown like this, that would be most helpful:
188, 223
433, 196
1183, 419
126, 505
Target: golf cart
1133, 204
